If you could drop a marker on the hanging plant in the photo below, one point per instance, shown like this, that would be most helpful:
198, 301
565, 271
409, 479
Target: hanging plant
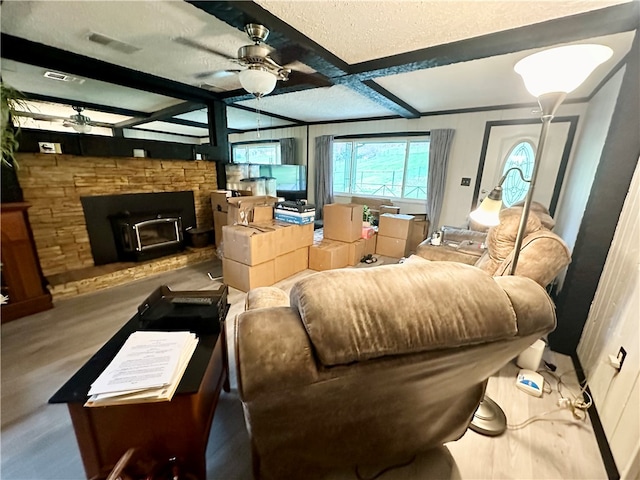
10, 99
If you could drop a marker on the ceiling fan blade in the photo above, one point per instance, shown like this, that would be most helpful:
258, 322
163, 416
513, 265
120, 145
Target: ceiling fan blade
215, 74
288, 54
42, 117
199, 46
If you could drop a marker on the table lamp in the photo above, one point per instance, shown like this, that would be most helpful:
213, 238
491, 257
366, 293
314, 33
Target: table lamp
549, 76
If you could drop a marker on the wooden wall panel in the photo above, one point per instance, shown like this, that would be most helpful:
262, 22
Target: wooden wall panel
613, 323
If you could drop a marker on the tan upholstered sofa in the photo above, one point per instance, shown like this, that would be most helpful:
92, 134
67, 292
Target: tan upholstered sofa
543, 254
373, 365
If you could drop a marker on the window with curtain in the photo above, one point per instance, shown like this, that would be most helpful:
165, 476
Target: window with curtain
265, 153
514, 189
391, 167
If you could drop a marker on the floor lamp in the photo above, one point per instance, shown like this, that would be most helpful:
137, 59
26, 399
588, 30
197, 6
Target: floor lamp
549, 76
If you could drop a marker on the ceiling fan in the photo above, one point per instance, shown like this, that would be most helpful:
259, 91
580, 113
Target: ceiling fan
79, 122
261, 72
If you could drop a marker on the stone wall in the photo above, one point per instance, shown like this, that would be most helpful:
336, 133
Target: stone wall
53, 185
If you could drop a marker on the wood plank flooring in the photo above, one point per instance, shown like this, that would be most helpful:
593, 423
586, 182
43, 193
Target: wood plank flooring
40, 352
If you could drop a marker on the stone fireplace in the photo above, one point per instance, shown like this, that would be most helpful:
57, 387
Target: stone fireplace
55, 184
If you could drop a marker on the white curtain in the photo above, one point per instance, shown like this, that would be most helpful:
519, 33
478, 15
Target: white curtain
288, 151
439, 147
324, 173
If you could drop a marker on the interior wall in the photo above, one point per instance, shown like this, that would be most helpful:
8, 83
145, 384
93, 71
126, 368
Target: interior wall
588, 149
463, 161
613, 323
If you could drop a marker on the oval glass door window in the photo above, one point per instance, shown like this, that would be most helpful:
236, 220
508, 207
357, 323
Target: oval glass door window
514, 189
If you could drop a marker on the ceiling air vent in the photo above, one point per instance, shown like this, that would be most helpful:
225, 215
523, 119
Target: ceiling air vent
113, 43
63, 77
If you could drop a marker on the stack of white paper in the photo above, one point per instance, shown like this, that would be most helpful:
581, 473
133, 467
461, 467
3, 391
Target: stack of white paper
148, 368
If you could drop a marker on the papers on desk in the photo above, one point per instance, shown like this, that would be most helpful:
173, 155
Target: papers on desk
148, 368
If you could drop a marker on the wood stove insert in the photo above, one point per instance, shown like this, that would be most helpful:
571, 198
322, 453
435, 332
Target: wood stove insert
145, 235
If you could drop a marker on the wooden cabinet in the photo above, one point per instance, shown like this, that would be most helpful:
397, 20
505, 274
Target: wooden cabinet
22, 279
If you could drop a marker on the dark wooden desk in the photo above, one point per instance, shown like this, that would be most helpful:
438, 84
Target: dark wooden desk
179, 428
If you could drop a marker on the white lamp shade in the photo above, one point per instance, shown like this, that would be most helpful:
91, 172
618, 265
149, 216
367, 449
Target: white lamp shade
488, 213
257, 81
82, 127
560, 69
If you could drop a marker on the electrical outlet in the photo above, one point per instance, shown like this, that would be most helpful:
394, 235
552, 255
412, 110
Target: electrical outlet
622, 354
466, 181
617, 361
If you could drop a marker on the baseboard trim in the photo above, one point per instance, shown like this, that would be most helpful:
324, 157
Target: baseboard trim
598, 429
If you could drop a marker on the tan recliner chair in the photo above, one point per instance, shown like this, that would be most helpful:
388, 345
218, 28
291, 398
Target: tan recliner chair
543, 254
373, 365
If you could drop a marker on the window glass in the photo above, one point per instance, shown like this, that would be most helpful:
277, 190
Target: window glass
259, 153
514, 188
394, 168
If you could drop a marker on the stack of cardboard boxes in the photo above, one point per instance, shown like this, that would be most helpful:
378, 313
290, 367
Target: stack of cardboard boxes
399, 235
394, 232
256, 250
343, 243
259, 251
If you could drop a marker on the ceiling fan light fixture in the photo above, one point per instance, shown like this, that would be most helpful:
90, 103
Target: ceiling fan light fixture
81, 127
257, 81
79, 122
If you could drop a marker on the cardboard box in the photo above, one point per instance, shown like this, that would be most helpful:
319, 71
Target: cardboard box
304, 235
356, 252
289, 236
328, 255
262, 214
241, 208
418, 234
342, 222
245, 277
370, 245
294, 217
219, 221
391, 247
291, 263
395, 225
219, 200
284, 237
389, 209
249, 244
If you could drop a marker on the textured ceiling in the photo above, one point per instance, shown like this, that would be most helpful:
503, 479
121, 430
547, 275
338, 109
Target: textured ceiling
359, 31
150, 26
469, 80
364, 35
321, 103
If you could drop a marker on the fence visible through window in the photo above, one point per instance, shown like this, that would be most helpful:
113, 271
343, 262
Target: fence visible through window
385, 168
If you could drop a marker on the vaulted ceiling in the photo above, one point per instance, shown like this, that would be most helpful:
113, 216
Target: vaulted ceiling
153, 66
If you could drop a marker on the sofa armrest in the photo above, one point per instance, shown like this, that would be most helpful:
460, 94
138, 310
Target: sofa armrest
446, 253
266, 297
261, 367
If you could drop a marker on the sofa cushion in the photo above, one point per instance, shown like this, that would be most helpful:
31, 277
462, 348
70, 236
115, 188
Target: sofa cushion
410, 312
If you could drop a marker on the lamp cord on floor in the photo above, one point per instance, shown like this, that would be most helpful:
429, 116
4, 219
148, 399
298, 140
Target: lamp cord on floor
578, 404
